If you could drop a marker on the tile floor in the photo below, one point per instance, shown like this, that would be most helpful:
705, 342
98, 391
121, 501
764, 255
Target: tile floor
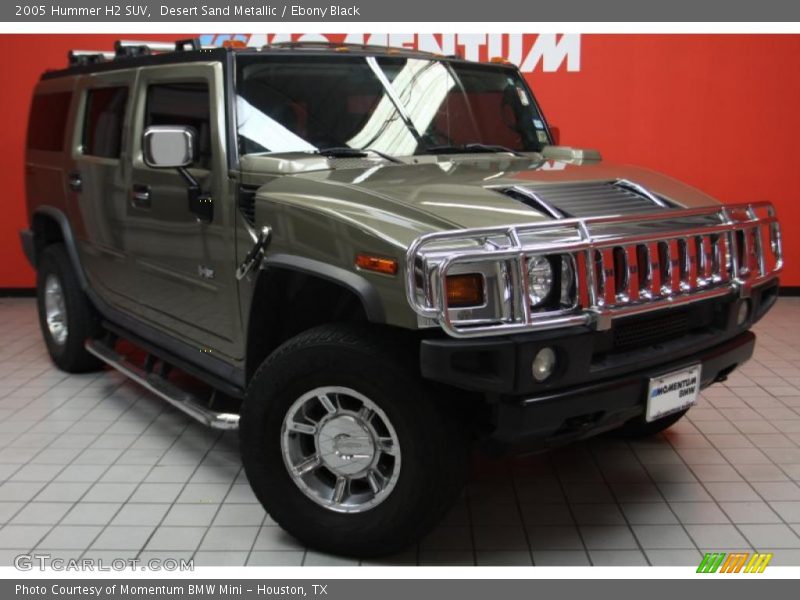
94, 466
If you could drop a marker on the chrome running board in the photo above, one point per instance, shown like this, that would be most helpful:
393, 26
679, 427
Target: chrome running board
159, 385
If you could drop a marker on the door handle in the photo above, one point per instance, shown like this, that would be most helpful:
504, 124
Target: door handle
75, 181
140, 195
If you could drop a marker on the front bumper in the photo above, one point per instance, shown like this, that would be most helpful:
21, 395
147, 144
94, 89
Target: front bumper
586, 410
601, 377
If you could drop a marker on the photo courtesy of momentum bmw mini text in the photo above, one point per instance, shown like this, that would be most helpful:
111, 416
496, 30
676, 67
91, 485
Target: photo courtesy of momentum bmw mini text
291, 290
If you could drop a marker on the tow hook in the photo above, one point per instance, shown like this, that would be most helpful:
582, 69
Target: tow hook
255, 255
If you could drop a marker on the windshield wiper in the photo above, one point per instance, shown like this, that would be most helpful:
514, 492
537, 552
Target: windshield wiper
472, 147
348, 152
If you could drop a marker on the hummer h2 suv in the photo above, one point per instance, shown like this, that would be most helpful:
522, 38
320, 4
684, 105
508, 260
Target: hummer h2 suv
372, 259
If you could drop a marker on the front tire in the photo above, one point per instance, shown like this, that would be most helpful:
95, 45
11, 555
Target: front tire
66, 316
346, 447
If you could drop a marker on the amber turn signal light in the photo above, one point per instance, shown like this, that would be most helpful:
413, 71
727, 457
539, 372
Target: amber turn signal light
387, 266
464, 290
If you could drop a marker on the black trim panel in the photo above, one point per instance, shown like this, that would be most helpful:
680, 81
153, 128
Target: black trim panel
370, 299
28, 241
69, 239
177, 361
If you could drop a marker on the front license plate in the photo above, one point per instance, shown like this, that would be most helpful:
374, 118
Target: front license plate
672, 392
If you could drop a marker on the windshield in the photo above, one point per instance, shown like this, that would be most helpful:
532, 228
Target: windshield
395, 105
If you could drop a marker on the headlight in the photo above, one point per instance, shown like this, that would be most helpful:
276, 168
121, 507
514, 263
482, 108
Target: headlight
540, 279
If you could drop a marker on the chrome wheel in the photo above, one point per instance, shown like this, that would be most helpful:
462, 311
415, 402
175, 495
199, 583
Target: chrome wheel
55, 310
340, 449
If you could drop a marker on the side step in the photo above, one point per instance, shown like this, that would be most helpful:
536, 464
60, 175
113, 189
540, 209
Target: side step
162, 387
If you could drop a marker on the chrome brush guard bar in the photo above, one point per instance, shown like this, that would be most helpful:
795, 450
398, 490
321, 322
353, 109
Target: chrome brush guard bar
620, 265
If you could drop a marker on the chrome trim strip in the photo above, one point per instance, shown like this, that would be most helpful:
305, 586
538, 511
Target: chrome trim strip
642, 191
534, 197
181, 400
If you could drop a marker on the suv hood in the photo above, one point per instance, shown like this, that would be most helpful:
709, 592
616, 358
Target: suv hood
480, 191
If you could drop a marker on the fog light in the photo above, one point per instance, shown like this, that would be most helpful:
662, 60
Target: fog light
543, 364
744, 311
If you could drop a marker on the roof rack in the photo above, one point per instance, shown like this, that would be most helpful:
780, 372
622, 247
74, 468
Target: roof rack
342, 47
132, 49
124, 49
88, 57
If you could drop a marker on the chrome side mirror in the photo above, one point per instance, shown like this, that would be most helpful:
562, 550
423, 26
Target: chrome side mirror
169, 146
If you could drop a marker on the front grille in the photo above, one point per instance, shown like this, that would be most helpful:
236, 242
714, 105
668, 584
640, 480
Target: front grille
632, 272
642, 332
641, 272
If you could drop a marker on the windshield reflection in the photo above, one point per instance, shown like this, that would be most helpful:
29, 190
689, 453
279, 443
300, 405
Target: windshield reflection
395, 105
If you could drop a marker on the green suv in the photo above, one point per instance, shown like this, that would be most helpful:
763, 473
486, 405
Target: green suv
369, 261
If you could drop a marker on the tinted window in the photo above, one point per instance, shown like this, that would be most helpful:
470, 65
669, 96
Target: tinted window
185, 104
105, 114
392, 104
48, 119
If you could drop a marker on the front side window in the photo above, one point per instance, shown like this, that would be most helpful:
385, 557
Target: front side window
103, 121
396, 105
186, 104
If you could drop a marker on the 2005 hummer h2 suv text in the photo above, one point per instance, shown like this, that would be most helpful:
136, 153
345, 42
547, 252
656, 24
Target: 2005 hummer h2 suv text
372, 259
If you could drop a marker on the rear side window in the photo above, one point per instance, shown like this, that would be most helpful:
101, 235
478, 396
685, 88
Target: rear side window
185, 104
48, 120
103, 120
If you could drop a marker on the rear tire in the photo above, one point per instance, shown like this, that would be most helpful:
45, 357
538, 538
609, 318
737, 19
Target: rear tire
305, 401
66, 316
639, 428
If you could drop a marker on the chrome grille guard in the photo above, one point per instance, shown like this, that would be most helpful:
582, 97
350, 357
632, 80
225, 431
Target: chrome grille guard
622, 265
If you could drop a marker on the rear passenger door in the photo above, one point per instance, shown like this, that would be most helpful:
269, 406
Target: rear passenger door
184, 277
98, 180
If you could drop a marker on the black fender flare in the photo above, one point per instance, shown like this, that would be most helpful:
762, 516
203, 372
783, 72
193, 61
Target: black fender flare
69, 239
363, 289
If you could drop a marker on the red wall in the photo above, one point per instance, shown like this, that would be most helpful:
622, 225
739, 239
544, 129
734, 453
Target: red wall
717, 111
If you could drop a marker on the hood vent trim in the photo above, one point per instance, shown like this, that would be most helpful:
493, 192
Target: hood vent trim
583, 199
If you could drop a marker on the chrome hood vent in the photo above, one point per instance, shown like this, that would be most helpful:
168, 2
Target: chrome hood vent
583, 199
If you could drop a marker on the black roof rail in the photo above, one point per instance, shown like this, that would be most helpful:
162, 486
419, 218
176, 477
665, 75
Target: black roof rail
322, 45
188, 44
128, 49
131, 49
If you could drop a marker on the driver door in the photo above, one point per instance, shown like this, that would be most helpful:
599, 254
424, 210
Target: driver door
184, 279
